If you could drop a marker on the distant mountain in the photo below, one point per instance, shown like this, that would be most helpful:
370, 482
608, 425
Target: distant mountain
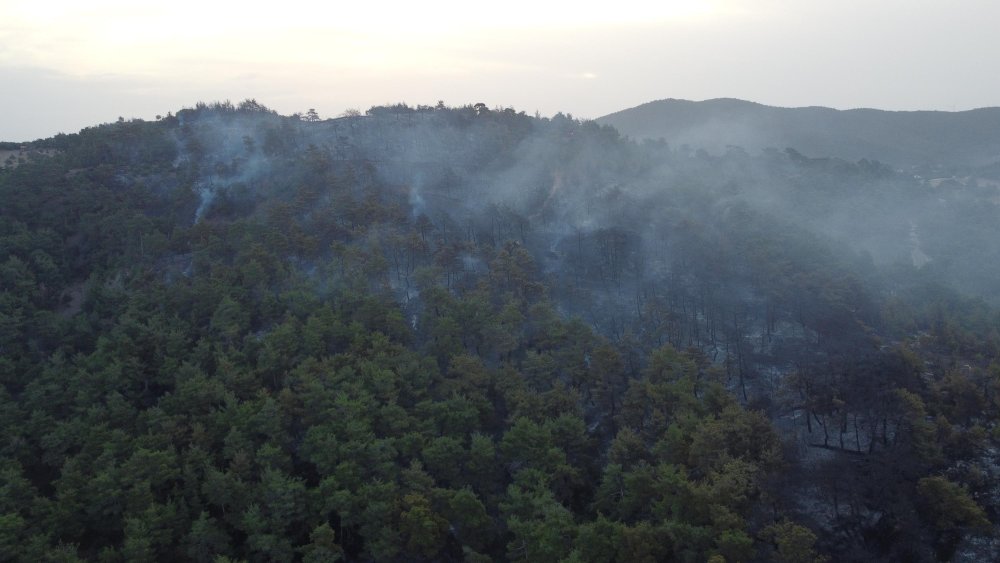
929, 140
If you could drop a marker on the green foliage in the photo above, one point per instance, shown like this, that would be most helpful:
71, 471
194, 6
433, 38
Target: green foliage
322, 546
223, 340
950, 504
794, 543
541, 527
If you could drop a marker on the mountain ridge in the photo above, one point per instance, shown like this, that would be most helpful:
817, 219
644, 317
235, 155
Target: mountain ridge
922, 140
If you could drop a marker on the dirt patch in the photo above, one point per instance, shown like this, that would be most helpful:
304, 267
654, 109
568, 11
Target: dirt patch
13, 158
9, 159
72, 299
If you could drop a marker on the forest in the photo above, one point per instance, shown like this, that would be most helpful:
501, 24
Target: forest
465, 333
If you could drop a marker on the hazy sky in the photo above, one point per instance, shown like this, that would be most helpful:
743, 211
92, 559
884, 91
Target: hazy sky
67, 64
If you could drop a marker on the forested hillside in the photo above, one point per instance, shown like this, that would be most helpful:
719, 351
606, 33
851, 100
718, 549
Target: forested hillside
446, 334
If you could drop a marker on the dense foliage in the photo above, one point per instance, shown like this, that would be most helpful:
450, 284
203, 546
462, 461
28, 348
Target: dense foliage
469, 334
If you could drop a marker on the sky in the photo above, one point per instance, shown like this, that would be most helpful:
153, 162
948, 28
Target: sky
69, 64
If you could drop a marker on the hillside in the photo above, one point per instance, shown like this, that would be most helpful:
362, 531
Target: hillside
932, 142
467, 334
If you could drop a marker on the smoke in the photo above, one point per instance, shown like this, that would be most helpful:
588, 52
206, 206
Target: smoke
417, 204
610, 216
207, 195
